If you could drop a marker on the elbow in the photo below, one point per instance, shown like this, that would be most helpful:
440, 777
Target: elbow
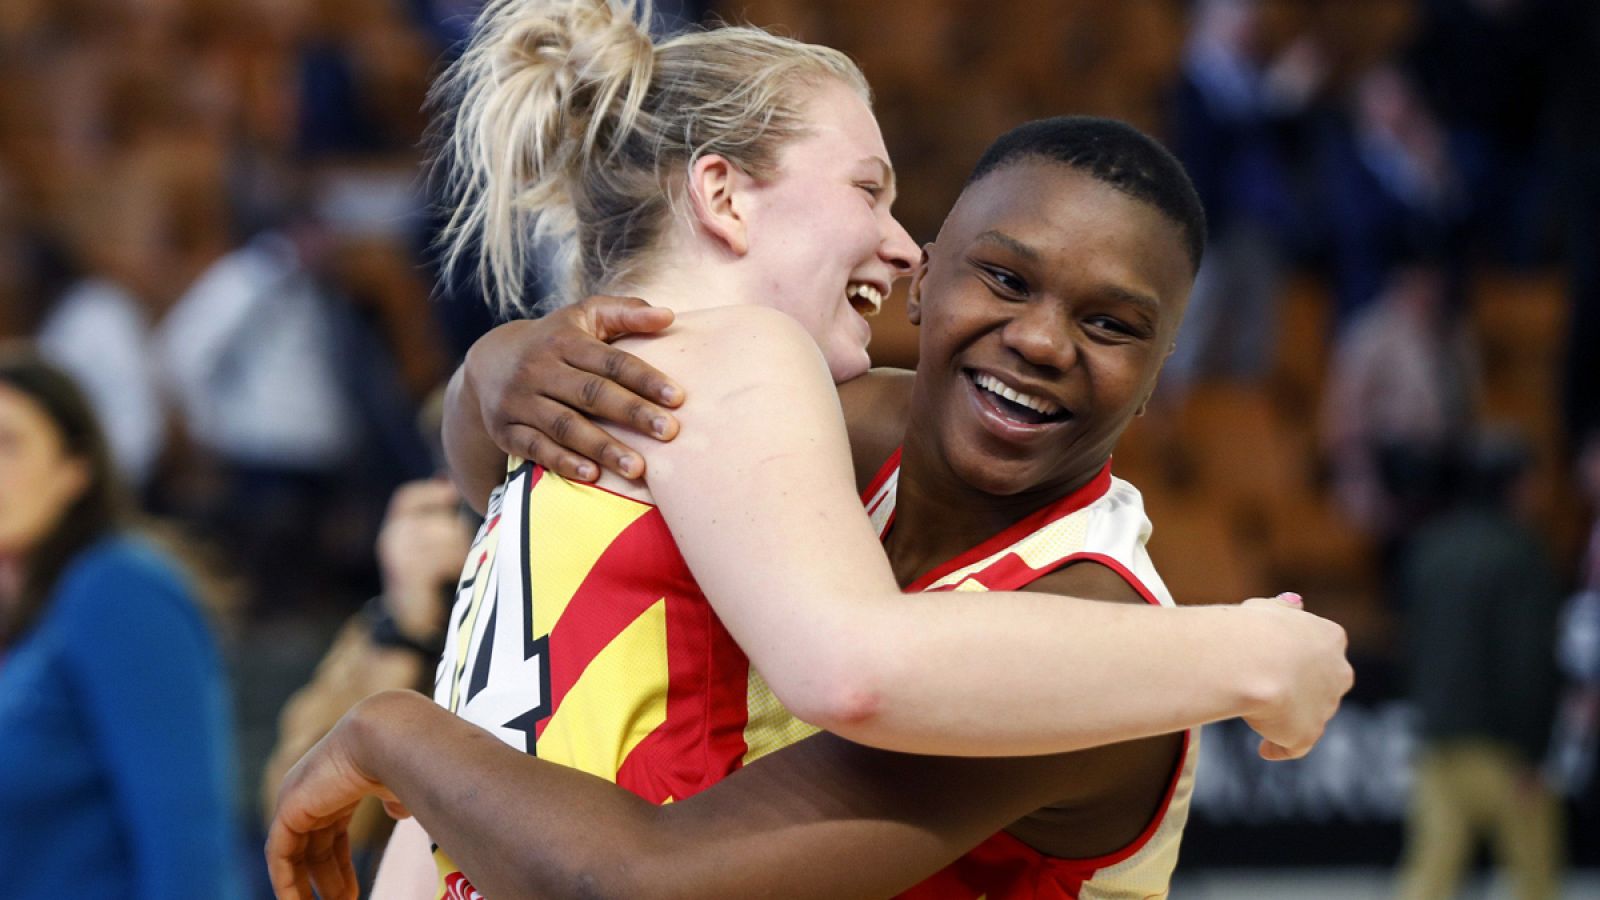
845, 697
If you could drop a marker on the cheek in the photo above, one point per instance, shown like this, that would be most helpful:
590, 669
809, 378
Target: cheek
27, 514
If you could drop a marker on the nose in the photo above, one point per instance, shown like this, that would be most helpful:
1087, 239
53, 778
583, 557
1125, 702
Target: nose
897, 248
1041, 334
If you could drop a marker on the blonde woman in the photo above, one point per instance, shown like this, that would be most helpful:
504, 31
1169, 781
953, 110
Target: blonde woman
739, 180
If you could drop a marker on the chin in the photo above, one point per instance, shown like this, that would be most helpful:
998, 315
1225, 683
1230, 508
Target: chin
996, 477
846, 367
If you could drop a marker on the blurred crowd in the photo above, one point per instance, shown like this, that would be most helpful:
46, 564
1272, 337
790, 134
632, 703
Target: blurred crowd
214, 215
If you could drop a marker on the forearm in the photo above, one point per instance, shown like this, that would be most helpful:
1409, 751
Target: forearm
1030, 673
477, 466
823, 819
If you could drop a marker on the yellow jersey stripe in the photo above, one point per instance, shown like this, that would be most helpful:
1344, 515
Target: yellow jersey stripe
613, 707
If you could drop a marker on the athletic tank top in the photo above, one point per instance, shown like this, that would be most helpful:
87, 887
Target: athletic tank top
578, 635
1102, 522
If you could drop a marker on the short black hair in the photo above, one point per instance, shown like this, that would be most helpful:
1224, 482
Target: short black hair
1112, 152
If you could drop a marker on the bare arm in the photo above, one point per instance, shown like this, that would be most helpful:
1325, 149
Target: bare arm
825, 818
763, 467
760, 476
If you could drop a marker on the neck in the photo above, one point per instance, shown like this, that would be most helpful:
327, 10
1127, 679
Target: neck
939, 516
688, 281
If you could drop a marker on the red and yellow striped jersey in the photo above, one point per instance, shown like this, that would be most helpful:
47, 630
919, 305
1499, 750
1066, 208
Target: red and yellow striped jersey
588, 643
578, 635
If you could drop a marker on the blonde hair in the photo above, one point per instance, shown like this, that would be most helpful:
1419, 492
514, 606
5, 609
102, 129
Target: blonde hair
573, 130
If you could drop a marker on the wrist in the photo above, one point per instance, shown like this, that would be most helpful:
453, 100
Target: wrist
388, 631
1263, 674
374, 724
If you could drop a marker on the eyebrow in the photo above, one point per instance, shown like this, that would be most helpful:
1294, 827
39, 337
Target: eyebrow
1137, 299
1010, 243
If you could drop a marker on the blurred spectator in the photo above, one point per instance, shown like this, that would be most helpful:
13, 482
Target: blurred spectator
1403, 385
394, 643
116, 752
1577, 738
249, 351
1481, 600
1234, 102
1387, 183
1576, 91
1484, 66
100, 334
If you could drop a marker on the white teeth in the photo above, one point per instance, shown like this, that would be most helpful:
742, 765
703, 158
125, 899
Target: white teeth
993, 384
868, 293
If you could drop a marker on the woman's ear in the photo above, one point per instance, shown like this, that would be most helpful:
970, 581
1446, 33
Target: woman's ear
716, 196
76, 476
914, 292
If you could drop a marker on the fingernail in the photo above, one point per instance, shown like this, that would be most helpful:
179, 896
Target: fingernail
630, 465
586, 471
669, 395
1292, 599
658, 426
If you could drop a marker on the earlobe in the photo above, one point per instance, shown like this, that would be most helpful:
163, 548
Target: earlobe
914, 292
716, 188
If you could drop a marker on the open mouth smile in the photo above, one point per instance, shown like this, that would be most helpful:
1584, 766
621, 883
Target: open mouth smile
1014, 413
864, 298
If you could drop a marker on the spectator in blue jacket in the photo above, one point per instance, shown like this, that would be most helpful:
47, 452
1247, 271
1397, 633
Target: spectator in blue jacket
116, 755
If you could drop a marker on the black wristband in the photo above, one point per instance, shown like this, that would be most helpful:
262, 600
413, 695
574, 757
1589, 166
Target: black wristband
385, 632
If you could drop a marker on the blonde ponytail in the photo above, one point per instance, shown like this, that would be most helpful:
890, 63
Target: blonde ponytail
570, 128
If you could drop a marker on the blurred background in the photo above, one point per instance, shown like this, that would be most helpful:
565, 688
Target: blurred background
213, 214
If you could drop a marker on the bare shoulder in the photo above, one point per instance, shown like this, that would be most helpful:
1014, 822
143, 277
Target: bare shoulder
1090, 580
876, 406
756, 384
880, 389
702, 345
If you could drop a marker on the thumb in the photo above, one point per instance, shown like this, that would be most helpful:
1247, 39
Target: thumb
615, 317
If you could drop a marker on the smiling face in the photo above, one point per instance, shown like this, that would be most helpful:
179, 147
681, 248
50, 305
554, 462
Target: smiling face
823, 246
1046, 306
39, 479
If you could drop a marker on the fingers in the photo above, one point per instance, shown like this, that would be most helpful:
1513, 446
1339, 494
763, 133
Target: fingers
290, 880
615, 385
428, 495
1288, 598
614, 317
565, 442
578, 348
1273, 752
327, 856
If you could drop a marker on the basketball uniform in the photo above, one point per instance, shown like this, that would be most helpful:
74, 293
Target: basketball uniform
578, 635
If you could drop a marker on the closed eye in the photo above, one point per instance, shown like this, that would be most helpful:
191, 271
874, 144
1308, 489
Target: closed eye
873, 190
